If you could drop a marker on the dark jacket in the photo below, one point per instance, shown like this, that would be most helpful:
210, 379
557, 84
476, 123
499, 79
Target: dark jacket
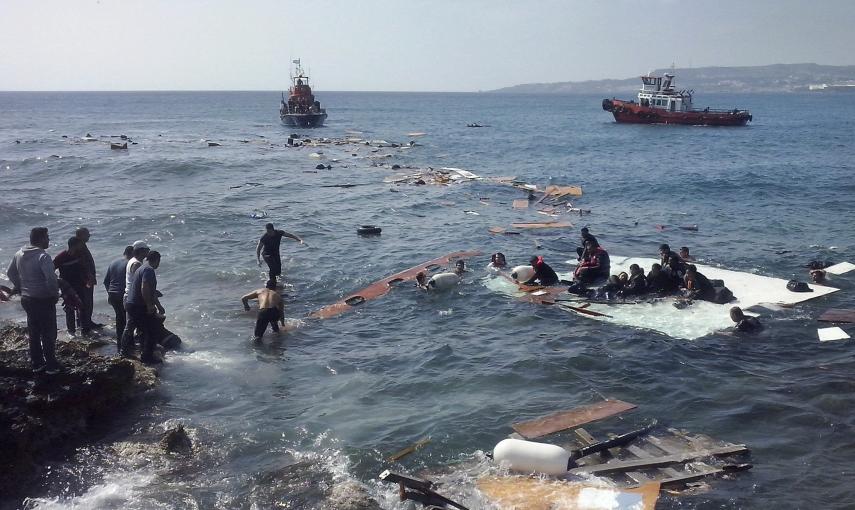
543, 274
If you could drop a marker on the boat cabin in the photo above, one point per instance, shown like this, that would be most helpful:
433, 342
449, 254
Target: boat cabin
658, 92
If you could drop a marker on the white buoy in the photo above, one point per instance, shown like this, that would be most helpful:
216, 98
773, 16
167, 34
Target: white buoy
443, 281
531, 457
522, 273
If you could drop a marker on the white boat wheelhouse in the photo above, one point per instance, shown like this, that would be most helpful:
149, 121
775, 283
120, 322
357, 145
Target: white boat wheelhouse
658, 92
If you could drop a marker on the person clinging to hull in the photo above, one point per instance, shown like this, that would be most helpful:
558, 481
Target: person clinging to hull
268, 249
271, 309
543, 273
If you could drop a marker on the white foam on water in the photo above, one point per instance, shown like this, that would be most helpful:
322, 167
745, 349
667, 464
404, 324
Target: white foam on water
699, 319
116, 493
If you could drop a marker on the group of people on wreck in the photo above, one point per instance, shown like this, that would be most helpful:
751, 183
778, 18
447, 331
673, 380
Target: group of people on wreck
673, 274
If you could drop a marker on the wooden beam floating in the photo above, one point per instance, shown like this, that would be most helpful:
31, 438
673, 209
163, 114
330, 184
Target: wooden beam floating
838, 315
655, 462
572, 418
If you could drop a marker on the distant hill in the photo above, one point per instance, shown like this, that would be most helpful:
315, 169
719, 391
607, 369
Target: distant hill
771, 78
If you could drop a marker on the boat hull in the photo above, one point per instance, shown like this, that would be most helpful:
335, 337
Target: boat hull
633, 113
303, 120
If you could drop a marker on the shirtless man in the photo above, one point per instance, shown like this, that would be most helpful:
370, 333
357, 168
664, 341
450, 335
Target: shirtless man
270, 308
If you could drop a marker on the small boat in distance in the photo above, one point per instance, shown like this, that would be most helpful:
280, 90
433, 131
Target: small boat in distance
659, 103
301, 110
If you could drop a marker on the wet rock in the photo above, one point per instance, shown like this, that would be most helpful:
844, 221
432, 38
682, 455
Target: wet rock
43, 416
176, 440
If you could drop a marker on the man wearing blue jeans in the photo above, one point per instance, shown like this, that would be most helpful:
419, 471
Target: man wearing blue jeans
143, 307
114, 283
32, 274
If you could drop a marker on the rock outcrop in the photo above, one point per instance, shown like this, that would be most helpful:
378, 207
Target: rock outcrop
42, 416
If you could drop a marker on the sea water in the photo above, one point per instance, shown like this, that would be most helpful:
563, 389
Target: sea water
307, 419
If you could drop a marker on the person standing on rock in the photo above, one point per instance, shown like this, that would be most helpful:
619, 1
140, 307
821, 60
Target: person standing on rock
126, 345
114, 283
144, 307
71, 269
32, 275
268, 248
88, 296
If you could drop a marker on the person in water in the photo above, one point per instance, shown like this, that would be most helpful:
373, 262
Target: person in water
595, 266
610, 290
270, 309
459, 268
268, 248
582, 251
684, 254
636, 284
659, 281
665, 254
497, 261
697, 285
743, 322
543, 273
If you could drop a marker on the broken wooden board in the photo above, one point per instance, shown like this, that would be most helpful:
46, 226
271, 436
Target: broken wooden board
408, 450
563, 191
525, 493
501, 230
548, 224
833, 333
520, 203
382, 287
838, 315
623, 466
572, 418
841, 268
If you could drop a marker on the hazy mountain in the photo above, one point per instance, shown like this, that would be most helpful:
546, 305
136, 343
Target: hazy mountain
771, 78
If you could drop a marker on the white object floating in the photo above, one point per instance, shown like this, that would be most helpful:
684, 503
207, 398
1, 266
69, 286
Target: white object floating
532, 457
443, 281
829, 334
842, 268
522, 273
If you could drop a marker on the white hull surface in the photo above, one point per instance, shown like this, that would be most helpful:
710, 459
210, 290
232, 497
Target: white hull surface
701, 318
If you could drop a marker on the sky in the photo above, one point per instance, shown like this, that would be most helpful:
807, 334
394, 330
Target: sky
401, 45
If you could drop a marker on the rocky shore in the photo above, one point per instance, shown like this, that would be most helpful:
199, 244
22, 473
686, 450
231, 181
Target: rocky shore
43, 416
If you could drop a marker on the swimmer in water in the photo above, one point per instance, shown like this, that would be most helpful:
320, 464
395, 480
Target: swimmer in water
497, 261
743, 322
270, 309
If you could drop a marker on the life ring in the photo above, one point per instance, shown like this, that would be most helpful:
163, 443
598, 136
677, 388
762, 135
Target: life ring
369, 230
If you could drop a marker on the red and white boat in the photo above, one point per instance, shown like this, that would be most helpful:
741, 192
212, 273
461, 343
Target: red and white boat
659, 103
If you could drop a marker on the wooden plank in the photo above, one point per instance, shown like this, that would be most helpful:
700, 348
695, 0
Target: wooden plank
560, 191
641, 453
689, 476
550, 224
408, 450
521, 203
838, 315
564, 420
632, 465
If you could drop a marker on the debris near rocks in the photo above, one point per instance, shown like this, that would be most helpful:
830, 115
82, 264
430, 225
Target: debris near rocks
45, 415
176, 440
